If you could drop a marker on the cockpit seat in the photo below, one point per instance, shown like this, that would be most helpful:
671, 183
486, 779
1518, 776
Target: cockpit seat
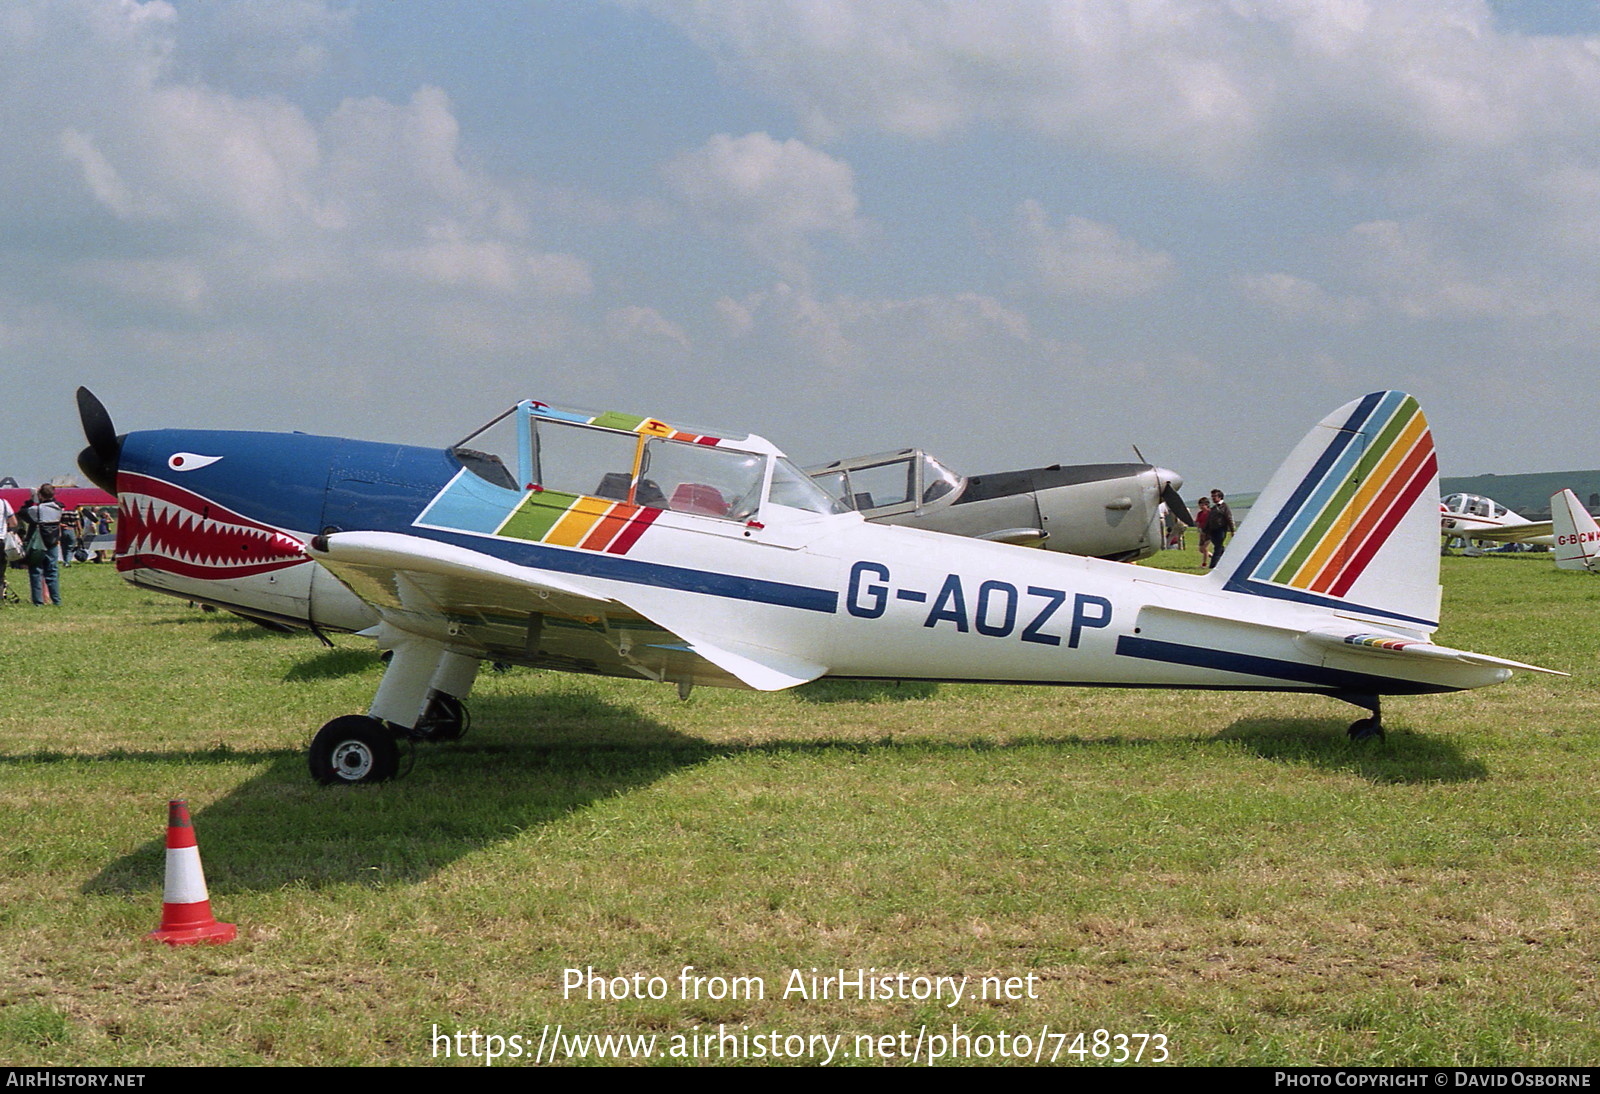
695, 497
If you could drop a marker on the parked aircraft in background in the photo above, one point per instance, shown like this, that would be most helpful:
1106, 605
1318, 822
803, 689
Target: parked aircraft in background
1483, 520
68, 497
1577, 536
617, 545
1104, 510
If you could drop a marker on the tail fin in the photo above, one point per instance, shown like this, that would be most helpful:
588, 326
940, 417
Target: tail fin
1577, 535
1351, 520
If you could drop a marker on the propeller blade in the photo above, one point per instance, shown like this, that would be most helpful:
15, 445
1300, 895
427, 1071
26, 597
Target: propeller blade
1175, 504
99, 460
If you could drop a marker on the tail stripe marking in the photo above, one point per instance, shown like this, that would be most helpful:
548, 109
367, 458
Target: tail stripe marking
1426, 470
1325, 497
1334, 533
1353, 499
1292, 526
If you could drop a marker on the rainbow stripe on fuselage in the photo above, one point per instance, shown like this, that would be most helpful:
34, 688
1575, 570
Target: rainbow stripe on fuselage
578, 520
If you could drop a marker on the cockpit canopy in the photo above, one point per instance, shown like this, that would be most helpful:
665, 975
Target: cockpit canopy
1473, 505
536, 448
888, 481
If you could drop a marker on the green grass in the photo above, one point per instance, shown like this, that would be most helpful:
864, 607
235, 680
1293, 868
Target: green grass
1224, 869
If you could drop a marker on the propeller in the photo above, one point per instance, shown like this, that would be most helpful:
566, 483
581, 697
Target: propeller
1169, 494
1170, 481
99, 460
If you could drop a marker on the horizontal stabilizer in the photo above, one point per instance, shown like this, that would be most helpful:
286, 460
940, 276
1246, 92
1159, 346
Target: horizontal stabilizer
1394, 645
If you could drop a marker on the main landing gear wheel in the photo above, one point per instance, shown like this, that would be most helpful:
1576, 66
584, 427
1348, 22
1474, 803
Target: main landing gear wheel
354, 749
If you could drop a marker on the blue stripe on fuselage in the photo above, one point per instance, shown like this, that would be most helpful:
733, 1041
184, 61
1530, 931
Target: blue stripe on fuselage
1245, 664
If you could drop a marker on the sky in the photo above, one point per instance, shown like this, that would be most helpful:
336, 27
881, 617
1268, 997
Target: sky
1013, 233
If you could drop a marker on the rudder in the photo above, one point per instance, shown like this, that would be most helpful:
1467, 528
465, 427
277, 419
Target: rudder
1577, 535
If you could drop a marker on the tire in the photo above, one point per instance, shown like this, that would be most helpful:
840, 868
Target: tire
353, 749
1366, 729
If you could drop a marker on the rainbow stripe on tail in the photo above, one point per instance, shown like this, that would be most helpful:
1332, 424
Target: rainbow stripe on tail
1351, 520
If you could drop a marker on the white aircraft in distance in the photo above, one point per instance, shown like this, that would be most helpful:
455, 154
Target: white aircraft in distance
1577, 536
1484, 520
1105, 510
618, 545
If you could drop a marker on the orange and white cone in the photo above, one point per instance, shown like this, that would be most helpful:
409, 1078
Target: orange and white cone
185, 907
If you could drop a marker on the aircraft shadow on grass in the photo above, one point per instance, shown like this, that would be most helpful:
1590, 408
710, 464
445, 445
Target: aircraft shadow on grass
865, 691
1403, 758
278, 829
331, 665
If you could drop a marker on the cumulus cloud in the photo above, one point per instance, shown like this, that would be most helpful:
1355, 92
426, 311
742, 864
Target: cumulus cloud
1298, 299
844, 334
130, 162
1206, 86
1420, 273
773, 196
1462, 132
172, 217
636, 326
262, 46
1084, 257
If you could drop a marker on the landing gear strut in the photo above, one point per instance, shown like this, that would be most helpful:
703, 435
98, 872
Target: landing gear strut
420, 698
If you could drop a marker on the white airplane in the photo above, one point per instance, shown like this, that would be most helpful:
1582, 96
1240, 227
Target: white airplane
618, 545
1577, 536
1483, 520
1105, 510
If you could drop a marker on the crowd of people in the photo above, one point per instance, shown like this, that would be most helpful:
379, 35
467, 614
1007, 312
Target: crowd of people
45, 538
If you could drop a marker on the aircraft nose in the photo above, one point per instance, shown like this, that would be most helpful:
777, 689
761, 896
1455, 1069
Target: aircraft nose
100, 458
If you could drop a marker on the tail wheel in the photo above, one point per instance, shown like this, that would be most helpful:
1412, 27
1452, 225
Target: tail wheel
354, 749
1366, 729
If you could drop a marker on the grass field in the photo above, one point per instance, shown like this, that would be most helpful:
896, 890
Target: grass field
1223, 870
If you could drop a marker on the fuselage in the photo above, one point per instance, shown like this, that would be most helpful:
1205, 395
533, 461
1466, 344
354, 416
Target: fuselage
1473, 517
224, 518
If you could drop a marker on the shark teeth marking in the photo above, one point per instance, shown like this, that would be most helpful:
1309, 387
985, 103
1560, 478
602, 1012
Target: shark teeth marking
163, 527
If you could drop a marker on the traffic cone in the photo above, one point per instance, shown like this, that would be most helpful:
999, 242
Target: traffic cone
185, 908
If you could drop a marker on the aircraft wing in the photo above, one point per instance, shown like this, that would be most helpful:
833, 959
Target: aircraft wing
502, 611
1516, 533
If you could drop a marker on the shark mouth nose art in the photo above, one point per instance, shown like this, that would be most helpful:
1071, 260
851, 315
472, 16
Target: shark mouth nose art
165, 527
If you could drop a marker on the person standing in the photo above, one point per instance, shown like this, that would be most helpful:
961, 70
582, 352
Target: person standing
1201, 515
42, 540
69, 538
1220, 524
8, 530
